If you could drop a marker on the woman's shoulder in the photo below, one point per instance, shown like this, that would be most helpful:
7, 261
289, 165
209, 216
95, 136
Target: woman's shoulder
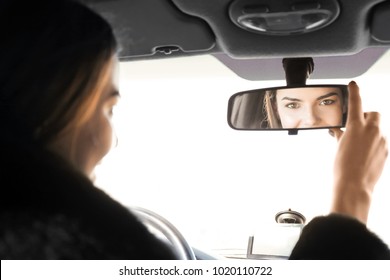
338, 236
42, 195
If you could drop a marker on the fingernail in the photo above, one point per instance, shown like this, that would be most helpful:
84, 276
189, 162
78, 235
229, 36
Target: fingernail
331, 133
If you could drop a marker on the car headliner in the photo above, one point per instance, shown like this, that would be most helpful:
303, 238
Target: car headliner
154, 29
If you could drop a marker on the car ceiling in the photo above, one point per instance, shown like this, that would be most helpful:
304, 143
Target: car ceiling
155, 29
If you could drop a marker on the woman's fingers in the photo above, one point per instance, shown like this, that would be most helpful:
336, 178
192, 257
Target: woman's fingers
355, 110
373, 118
336, 132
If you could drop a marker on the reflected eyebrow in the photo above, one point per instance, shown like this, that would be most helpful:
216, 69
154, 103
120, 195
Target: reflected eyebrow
327, 95
318, 98
291, 99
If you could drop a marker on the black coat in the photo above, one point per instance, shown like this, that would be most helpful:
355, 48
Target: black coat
338, 237
50, 211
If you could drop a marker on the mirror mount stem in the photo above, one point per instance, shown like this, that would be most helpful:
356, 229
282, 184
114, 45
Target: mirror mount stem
293, 132
298, 70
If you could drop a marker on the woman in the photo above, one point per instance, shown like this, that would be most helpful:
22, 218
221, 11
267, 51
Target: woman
57, 93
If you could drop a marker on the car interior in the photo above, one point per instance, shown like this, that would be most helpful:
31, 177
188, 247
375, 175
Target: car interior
198, 158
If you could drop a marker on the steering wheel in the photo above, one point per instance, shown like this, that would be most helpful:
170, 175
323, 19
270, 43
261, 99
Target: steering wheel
155, 222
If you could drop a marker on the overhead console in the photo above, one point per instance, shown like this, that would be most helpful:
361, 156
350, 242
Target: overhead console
263, 28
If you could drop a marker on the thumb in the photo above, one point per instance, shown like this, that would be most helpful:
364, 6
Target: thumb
336, 132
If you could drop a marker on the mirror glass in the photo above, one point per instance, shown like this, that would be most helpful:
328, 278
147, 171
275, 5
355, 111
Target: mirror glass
279, 108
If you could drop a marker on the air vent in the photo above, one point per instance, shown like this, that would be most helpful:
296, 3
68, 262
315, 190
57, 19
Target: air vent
290, 217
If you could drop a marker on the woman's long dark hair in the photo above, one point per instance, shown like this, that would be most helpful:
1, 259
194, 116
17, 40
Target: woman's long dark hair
53, 54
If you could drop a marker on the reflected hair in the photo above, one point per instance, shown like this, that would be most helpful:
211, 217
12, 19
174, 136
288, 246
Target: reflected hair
272, 119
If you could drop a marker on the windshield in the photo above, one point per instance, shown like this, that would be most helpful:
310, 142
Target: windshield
177, 156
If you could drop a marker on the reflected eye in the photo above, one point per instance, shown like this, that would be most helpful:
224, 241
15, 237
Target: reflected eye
292, 105
327, 102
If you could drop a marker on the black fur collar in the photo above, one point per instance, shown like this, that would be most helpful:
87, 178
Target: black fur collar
38, 186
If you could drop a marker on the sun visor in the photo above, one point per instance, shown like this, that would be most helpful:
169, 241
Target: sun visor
154, 27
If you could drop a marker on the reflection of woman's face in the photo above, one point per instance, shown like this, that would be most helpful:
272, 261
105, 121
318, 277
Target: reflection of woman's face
309, 107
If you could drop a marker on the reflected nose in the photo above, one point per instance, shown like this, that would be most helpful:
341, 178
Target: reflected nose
310, 118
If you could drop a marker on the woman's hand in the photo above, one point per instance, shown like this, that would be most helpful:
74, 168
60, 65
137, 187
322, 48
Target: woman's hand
360, 159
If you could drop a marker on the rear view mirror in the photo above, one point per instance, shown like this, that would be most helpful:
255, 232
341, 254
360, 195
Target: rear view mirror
289, 108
